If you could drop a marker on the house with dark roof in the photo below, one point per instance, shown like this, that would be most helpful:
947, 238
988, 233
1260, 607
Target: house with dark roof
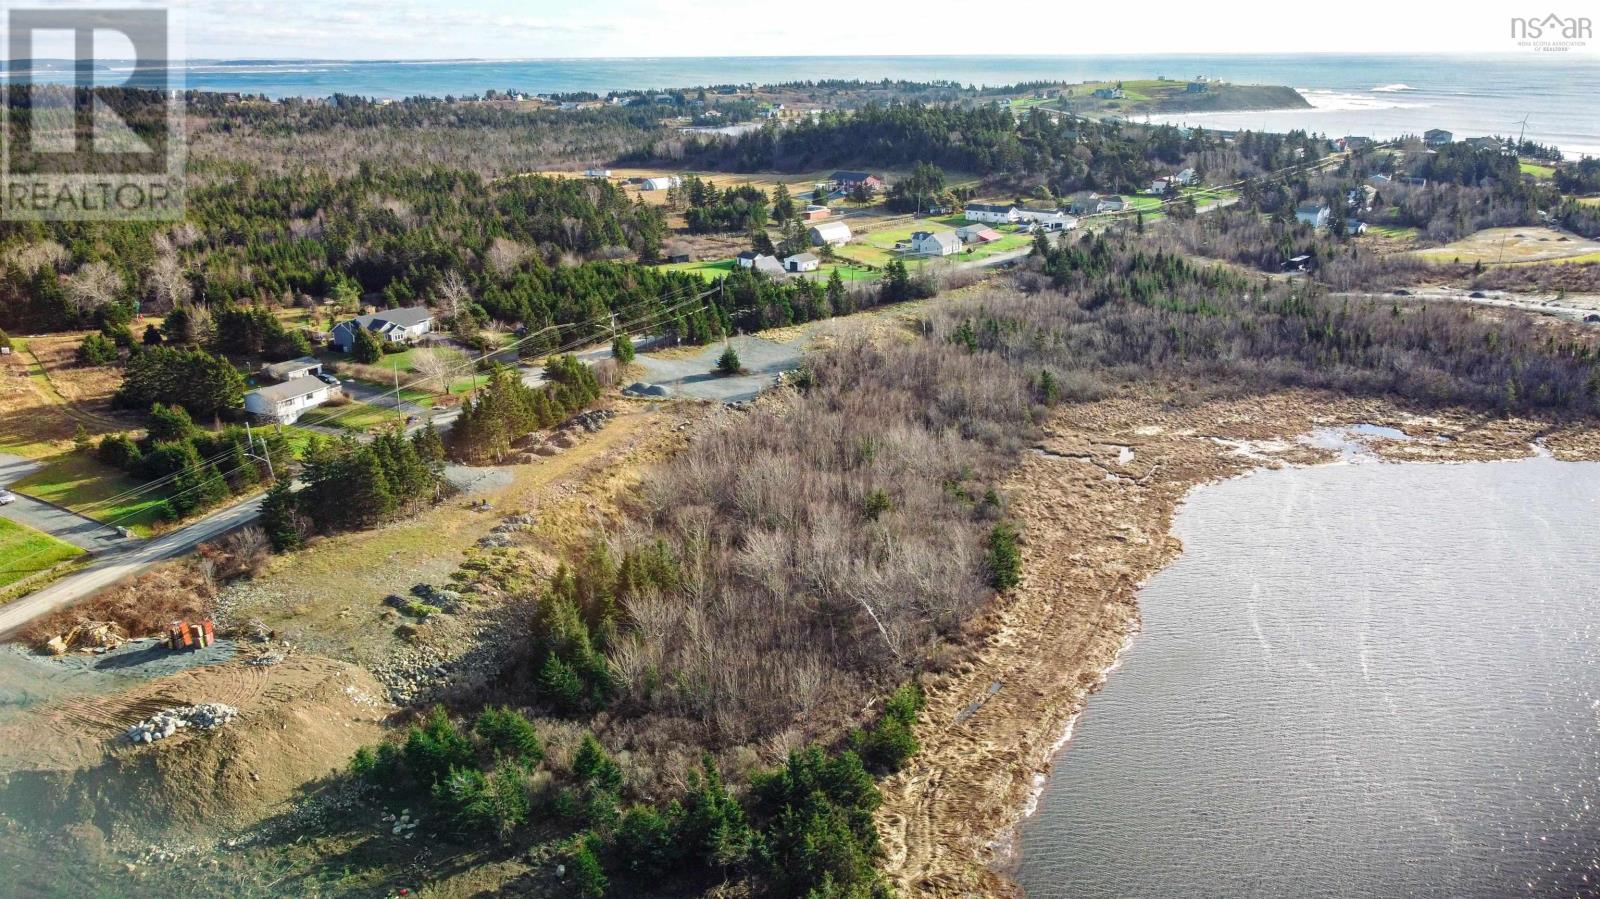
1437, 137
989, 212
394, 325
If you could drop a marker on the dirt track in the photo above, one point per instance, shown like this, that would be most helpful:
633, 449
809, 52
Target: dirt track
1096, 523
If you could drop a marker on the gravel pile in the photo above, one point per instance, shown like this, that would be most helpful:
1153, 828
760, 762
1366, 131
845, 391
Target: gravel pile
165, 723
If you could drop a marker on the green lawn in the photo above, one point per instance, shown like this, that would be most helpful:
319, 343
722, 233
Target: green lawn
710, 270
352, 416
83, 484
25, 552
1540, 172
1393, 231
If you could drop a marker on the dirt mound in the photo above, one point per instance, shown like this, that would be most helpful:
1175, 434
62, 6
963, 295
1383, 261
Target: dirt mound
298, 721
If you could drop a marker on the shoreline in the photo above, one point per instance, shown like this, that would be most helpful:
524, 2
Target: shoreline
1097, 525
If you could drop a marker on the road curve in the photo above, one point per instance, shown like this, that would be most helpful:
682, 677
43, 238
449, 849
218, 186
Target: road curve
106, 571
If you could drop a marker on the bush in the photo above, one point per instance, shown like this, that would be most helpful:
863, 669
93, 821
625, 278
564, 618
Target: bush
588, 878
96, 349
622, 349
435, 747
366, 348
507, 732
889, 744
1005, 560
728, 363
119, 451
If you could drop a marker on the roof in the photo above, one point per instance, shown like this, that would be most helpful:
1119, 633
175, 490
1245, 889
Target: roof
1311, 208
802, 258
850, 176
401, 318
768, 264
288, 390
980, 231
748, 254
988, 207
282, 370
945, 239
827, 229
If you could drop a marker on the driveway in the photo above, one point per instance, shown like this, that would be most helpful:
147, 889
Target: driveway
80, 531
373, 395
692, 374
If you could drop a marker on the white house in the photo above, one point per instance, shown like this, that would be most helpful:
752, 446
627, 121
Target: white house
1112, 203
986, 212
935, 243
1159, 185
597, 173
832, 233
396, 325
664, 182
285, 403
1048, 219
1313, 214
801, 262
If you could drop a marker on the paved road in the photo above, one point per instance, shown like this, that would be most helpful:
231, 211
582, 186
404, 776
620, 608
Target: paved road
1572, 307
63, 524
383, 397
107, 571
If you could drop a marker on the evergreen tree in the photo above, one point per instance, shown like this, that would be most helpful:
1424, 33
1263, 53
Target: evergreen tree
622, 348
366, 348
96, 350
728, 363
280, 516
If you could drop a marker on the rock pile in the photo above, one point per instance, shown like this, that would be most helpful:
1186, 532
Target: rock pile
591, 421
448, 601
165, 723
647, 391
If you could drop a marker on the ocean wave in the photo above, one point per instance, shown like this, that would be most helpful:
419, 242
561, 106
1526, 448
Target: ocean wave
1340, 100
1392, 88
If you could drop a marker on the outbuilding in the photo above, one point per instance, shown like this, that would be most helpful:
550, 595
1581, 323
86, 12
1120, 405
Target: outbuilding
829, 234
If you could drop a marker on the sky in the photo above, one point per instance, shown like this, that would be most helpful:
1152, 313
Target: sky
508, 29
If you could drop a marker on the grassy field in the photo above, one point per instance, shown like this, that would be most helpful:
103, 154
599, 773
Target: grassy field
83, 484
352, 416
1539, 172
709, 270
1513, 245
1394, 232
25, 552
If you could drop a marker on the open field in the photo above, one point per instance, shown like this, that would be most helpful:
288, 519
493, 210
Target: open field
1511, 245
45, 397
1540, 172
25, 552
352, 416
87, 486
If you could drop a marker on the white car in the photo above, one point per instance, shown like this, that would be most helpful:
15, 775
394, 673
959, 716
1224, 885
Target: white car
7, 497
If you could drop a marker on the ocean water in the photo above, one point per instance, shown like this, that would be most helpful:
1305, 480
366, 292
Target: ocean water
1358, 680
1374, 95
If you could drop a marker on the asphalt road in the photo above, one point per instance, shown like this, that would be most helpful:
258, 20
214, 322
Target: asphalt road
106, 571
63, 524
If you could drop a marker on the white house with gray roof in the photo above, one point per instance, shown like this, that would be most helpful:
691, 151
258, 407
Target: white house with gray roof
935, 243
285, 403
397, 325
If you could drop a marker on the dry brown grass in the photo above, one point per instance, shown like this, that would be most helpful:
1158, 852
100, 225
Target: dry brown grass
142, 606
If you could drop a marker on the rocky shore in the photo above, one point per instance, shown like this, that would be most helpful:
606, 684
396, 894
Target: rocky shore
1096, 500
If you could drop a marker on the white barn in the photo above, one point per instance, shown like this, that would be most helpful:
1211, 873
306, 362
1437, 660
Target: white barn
832, 233
664, 182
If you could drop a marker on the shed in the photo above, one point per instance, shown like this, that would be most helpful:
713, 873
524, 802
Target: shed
830, 233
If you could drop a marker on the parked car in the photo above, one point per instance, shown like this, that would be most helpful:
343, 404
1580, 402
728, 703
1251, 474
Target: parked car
328, 379
1478, 295
7, 497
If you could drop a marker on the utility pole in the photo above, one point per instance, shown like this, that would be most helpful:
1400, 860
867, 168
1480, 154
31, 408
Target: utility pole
250, 440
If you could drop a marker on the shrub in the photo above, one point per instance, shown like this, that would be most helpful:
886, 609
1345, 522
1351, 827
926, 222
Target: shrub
96, 349
887, 745
507, 732
588, 878
622, 348
728, 363
1005, 560
119, 451
436, 746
